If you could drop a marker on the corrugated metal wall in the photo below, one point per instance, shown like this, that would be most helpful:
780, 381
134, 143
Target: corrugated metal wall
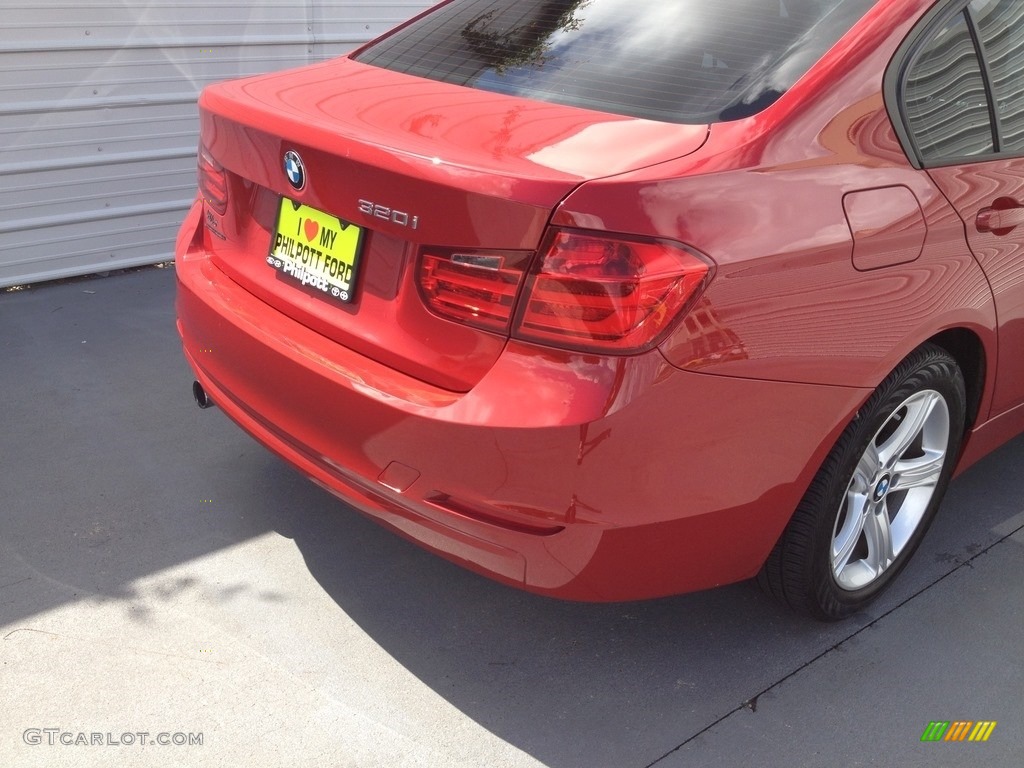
98, 119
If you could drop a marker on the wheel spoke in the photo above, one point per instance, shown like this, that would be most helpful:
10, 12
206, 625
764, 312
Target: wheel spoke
919, 472
918, 411
846, 540
866, 470
878, 532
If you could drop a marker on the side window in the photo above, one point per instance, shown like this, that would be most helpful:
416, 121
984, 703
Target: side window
944, 96
1000, 26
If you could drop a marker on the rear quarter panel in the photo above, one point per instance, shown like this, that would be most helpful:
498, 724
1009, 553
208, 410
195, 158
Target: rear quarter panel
764, 200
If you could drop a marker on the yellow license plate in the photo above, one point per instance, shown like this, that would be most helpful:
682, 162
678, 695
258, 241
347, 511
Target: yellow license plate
316, 249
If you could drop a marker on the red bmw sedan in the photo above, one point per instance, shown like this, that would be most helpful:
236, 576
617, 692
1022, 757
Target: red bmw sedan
611, 300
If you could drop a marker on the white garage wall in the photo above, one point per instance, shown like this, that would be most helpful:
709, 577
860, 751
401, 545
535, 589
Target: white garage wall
98, 120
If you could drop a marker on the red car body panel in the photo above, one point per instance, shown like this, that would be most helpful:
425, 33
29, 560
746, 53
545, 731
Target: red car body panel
530, 487
972, 189
588, 476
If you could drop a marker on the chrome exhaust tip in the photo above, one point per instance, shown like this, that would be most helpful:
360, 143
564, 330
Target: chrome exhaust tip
202, 399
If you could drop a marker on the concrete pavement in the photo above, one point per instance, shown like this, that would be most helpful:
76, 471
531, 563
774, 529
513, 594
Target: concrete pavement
161, 573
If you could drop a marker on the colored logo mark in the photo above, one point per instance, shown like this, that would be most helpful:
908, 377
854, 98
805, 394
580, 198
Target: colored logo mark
294, 170
958, 730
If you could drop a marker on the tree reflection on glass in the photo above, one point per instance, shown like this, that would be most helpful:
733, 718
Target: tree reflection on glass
526, 43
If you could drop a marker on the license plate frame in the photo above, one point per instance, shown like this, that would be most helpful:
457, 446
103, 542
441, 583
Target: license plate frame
316, 250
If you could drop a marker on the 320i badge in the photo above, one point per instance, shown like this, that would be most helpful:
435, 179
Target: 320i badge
608, 303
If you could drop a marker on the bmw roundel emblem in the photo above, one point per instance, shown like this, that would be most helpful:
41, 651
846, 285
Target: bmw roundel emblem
294, 170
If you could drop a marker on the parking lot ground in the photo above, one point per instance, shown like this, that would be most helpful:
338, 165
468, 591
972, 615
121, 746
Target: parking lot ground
163, 574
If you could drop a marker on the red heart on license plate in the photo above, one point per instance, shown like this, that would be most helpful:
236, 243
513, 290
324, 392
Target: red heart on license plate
311, 229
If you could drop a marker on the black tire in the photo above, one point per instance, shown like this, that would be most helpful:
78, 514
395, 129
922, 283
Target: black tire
847, 541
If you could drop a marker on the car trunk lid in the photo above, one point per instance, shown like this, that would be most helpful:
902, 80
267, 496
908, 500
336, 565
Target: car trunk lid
412, 163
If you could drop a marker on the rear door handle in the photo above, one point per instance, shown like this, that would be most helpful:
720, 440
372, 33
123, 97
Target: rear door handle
999, 221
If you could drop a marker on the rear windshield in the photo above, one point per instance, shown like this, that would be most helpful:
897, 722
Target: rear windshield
681, 61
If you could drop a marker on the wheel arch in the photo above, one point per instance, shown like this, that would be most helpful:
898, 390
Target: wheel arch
967, 348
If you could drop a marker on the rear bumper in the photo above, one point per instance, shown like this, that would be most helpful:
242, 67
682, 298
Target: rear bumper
577, 476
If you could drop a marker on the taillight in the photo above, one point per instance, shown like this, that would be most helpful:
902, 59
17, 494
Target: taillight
474, 287
601, 293
585, 291
213, 182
